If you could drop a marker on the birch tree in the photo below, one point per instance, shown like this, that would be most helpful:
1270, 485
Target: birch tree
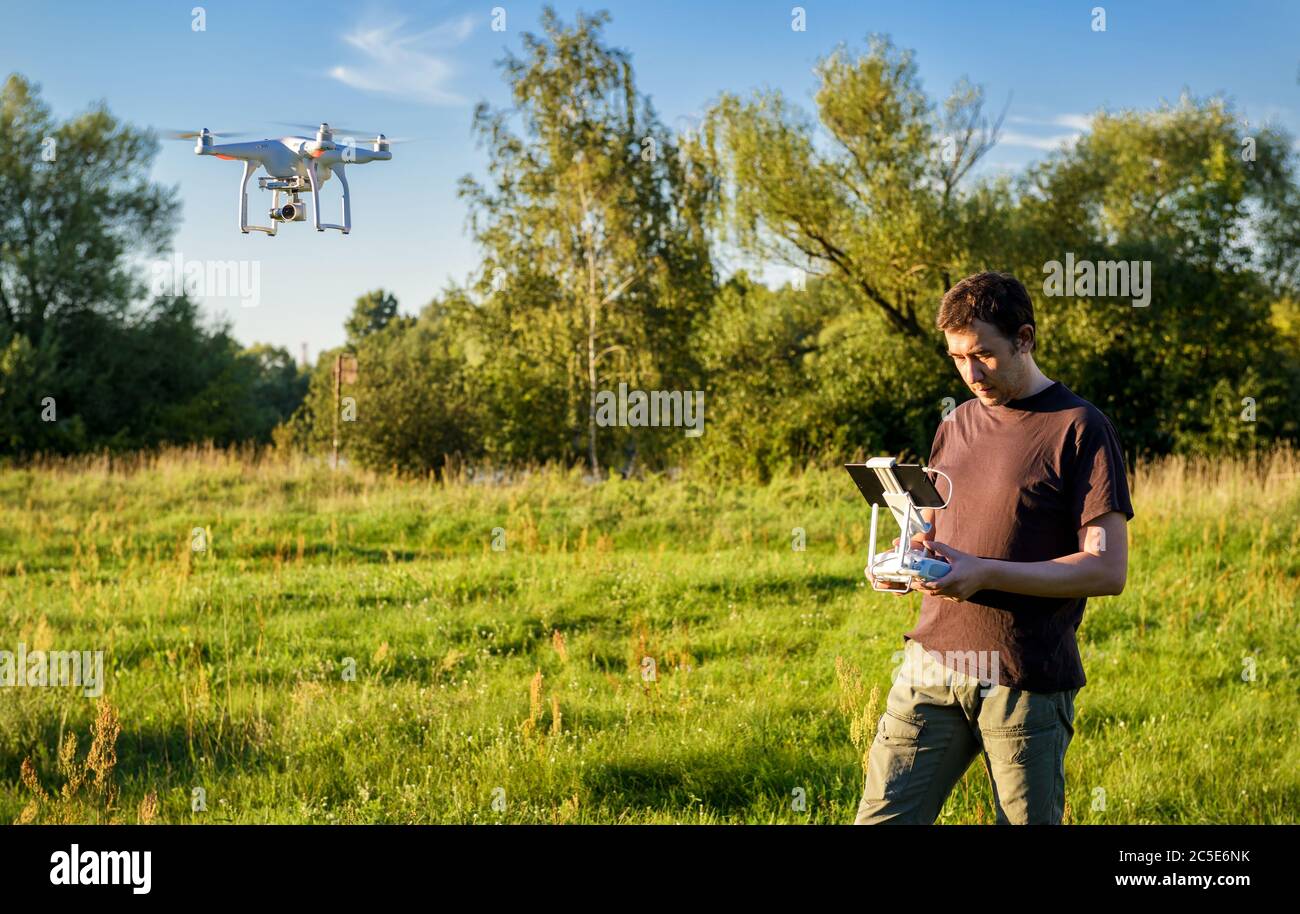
587, 216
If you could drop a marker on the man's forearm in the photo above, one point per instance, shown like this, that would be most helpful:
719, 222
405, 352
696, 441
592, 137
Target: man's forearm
1079, 575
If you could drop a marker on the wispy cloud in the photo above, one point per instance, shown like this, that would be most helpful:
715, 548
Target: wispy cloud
1078, 124
1046, 143
1081, 122
406, 63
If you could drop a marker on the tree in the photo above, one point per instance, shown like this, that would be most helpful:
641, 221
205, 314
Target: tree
833, 382
277, 386
84, 360
873, 198
413, 405
1172, 188
372, 312
879, 198
588, 227
75, 201
410, 405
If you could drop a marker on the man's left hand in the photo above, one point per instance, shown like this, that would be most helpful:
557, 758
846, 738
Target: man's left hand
966, 575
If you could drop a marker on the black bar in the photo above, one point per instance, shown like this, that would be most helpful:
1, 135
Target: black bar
910, 864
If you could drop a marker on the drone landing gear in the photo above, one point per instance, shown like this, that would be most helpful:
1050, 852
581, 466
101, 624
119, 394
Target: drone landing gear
250, 167
337, 170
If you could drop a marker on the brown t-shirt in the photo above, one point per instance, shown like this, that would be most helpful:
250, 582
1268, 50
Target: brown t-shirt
1026, 476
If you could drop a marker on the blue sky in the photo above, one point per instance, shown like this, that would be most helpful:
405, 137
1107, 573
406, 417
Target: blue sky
416, 70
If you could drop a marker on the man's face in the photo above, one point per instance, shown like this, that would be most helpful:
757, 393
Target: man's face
988, 362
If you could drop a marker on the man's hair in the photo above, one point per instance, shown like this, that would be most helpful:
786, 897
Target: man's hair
996, 298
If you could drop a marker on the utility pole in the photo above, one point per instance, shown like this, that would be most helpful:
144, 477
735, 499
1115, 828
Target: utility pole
338, 398
345, 369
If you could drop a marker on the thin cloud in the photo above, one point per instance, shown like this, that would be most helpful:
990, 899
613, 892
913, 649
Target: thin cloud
404, 63
1080, 122
1046, 143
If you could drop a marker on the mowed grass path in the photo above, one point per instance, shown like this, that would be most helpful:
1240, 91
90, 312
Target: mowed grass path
352, 648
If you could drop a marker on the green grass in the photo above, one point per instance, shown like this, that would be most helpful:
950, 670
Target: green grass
226, 667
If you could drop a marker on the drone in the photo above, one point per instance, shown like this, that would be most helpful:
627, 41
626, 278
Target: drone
294, 165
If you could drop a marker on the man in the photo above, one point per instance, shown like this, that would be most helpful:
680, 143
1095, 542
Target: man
1035, 524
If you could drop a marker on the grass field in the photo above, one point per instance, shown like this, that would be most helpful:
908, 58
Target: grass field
514, 677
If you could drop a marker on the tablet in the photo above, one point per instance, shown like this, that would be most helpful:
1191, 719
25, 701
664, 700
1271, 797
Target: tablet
909, 478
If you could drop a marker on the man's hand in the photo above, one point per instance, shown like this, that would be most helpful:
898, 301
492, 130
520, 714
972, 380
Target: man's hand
892, 587
901, 589
919, 541
967, 574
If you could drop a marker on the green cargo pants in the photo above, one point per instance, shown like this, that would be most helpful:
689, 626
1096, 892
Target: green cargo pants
937, 719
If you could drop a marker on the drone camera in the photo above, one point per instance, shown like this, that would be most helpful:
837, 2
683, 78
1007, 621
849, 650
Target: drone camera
293, 211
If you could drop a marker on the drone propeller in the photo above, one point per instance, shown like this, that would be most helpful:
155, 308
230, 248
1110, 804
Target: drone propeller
335, 130
192, 134
376, 138
360, 136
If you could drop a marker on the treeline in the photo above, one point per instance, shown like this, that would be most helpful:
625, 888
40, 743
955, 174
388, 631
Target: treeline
604, 238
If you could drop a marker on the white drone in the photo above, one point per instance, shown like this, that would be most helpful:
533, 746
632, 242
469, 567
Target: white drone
294, 164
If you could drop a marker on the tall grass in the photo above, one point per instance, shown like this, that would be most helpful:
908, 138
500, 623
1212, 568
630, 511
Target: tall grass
352, 647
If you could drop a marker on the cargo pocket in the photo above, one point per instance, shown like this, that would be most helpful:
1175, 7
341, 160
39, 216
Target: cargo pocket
1031, 721
893, 754
1025, 754
1020, 745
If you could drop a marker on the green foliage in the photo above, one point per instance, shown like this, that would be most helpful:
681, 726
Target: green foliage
372, 312
598, 230
805, 376
84, 361
594, 254
1170, 187
409, 407
69, 222
412, 403
868, 192
519, 364
878, 200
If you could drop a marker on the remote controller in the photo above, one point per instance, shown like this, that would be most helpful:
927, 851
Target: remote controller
902, 489
887, 566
